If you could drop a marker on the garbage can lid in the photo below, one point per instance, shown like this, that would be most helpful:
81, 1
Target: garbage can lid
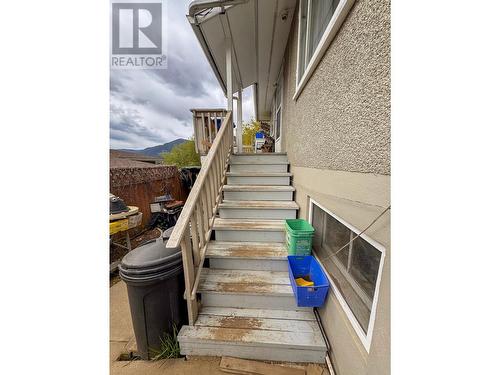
152, 253
144, 280
167, 233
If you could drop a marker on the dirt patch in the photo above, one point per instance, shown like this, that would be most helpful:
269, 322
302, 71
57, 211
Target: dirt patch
145, 236
117, 253
240, 322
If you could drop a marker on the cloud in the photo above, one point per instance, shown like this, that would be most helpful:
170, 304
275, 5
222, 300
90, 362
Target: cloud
150, 107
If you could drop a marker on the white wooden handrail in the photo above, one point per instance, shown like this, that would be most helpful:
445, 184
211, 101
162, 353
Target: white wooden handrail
194, 226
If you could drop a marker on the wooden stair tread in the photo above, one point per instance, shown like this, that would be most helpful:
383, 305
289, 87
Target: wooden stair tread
249, 224
245, 276
258, 174
245, 282
252, 337
248, 250
289, 205
259, 313
258, 188
268, 161
270, 324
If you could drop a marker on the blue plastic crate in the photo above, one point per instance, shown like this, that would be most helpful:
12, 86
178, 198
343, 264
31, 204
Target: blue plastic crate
308, 296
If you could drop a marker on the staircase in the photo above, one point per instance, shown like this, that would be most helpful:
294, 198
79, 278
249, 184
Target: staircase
248, 307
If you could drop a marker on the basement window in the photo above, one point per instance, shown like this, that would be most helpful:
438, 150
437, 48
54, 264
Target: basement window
354, 270
319, 21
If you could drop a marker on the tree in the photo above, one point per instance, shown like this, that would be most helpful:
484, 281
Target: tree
248, 132
182, 155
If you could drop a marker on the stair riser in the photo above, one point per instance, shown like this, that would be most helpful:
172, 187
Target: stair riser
249, 264
249, 236
259, 158
255, 180
246, 213
262, 353
270, 302
258, 195
258, 168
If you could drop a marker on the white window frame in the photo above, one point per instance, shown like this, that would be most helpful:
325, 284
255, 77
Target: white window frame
365, 338
338, 17
280, 107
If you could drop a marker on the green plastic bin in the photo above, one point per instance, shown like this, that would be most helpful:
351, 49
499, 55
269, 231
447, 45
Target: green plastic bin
299, 236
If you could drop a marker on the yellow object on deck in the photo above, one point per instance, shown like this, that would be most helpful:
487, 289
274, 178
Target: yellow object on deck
302, 282
118, 226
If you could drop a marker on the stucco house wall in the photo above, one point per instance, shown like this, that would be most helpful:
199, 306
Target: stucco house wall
337, 136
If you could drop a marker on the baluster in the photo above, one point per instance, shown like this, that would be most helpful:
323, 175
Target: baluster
210, 194
216, 173
196, 243
189, 277
204, 132
206, 210
200, 227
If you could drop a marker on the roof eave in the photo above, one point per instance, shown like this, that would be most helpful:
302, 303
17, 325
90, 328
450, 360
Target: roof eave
206, 51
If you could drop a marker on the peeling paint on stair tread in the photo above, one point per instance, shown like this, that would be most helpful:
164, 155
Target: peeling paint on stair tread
250, 250
245, 288
259, 313
257, 337
240, 322
245, 282
245, 276
246, 224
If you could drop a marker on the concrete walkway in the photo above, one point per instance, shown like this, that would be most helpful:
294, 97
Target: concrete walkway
122, 341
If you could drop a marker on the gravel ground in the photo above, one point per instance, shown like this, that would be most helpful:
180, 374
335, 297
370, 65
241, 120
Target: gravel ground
117, 253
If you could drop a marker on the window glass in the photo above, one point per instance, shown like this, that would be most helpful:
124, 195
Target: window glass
364, 265
354, 269
321, 14
303, 33
315, 15
336, 236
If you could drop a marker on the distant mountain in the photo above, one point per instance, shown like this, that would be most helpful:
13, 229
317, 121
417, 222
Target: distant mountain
157, 150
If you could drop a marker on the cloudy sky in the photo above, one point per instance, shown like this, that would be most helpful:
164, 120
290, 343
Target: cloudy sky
151, 107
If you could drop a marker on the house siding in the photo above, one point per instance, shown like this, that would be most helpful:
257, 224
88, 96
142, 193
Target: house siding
337, 137
341, 119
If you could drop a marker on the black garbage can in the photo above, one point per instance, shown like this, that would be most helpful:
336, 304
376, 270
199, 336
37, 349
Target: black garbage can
155, 286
